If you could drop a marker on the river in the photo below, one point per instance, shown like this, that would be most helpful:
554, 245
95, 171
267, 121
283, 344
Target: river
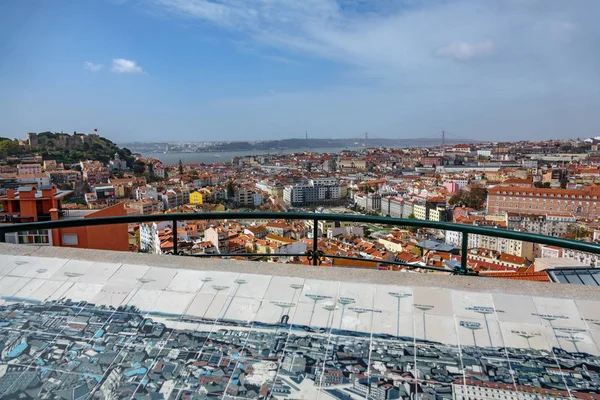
226, 156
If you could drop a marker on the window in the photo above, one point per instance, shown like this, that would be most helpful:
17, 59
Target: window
39, 237
69, 239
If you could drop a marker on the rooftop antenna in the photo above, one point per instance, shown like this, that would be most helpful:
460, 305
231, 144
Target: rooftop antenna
443, 138
366, 139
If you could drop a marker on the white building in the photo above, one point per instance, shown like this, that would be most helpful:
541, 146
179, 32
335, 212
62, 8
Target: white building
593, 260
149, 240
316, 191
146, 193
513, 247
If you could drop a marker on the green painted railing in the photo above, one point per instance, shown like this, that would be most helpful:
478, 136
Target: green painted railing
315, 255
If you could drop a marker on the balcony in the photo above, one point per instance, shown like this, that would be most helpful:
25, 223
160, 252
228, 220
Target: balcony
104, 324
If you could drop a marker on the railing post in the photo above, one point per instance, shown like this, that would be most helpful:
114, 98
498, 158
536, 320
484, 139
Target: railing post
2, 237
175, 236
463, 255
315, 241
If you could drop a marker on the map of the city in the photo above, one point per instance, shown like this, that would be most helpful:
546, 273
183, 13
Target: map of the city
77, 329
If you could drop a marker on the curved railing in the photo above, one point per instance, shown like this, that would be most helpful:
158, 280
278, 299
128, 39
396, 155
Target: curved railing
315, 255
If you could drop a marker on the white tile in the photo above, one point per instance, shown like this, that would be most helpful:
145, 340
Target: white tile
100, 272
9, 285
519, 335
573, 340
436, 328
272, 311
388, 323
240, 309
316, 315
515, 308
472, 304
222, 283
36, 267
353, 307
83, 291
173, 302
111, 295
29, 291
251, 286
143, 299
190, 281
158, 278
318, 290
558, 312
200, 305
388, 297
284, 288
216, 306
128, 274
73, 270
436, 301
590, 312
60, 292
478, 332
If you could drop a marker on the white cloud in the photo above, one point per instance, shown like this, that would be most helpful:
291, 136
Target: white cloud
393, 39
90, 66
124, 66
463, 51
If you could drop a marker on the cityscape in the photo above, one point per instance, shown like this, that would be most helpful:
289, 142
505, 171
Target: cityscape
299, 200
139, 332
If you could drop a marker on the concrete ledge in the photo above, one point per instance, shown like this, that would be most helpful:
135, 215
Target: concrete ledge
473, 284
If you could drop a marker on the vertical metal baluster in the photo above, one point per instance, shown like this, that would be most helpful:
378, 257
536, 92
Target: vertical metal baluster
315, 241
175, 236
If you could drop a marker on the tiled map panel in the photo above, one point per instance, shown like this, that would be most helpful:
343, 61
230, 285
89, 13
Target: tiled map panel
74, 329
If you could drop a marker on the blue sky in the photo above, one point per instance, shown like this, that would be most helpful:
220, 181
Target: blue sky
266, 69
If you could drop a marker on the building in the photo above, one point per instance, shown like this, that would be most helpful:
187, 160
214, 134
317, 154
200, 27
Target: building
59, 177
315, 192
579, 203
393, 207
149, 241
29, 204
513, 247
543, 224
368, 202
145, 207
29, 169
174, 198
593, 260
196, 198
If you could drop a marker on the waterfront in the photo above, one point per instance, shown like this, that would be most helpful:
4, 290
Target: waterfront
226, 156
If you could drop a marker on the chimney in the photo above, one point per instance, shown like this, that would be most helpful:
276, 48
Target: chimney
10, 193
54, 214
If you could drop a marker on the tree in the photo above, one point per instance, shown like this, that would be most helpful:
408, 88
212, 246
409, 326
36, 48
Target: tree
412, 229
230, 189
180, 167
194, 173
9, 148
139, 167
474, 198
563, 182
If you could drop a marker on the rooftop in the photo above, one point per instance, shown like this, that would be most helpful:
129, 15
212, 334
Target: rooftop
99, 321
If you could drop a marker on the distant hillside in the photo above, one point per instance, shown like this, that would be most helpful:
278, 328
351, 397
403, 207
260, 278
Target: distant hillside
65, 148
328, 143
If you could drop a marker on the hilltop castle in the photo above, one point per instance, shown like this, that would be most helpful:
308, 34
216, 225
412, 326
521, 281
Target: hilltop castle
60, 141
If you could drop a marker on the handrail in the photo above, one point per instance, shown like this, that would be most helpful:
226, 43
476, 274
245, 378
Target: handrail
314, 254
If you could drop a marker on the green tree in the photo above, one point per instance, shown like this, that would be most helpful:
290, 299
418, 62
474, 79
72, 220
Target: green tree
9, 148
474, 198
180, 167
230, 189
412, 228
139, 167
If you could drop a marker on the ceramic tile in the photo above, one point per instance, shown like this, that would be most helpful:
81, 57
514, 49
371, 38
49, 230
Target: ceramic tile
10, 285
83, 291
172, 302
222, 283
472, 304
479, 333
73, 270
435, 328
128, 274
251, 285
558, 312
433, 301
157, 278
189, 281
32, 267
515, 308
572, 340
524, 337
143, 299
318, 291
284, 288
354, 308
100, 272
112, 295
590, 312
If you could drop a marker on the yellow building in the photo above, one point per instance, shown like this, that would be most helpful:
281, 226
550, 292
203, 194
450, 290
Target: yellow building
420, 211
195, 198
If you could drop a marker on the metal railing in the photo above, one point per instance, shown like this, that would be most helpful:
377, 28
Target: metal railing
315, 255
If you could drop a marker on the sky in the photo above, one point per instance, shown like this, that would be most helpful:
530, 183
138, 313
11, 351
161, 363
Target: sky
204, 70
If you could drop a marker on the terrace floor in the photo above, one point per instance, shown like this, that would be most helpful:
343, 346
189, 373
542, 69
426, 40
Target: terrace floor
94, 324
